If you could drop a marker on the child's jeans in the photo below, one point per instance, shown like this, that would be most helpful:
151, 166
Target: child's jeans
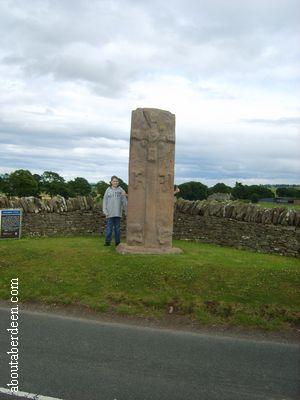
112, 222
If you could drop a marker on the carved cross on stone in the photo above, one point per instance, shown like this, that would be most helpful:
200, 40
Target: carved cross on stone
151, 182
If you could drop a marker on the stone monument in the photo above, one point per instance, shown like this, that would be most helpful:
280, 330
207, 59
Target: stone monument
151, 183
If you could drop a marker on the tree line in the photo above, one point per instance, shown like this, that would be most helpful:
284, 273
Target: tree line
23, 183
198, 191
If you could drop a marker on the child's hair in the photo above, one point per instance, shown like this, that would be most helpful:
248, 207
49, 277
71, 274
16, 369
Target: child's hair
113, 177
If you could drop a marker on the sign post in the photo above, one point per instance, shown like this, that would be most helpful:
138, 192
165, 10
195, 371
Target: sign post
10, 223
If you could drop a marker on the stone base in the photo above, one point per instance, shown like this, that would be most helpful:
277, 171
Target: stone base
125, 248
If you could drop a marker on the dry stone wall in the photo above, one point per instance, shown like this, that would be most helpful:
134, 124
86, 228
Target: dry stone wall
240, 225
58, 216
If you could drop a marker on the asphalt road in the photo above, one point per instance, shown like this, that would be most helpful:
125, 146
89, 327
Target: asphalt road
77, 359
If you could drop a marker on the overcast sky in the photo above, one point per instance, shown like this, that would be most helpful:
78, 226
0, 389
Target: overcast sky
71, 72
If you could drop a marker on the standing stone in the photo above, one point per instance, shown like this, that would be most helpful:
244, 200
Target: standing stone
151, 182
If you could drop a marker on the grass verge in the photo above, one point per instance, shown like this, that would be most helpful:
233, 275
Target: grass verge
210, 284
280, 205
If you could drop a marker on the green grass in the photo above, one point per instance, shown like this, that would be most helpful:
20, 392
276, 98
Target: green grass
279, 205
209, 283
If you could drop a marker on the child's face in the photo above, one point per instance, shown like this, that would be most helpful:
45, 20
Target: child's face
114, 182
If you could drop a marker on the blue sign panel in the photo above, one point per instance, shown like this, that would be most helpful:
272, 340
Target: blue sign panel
10, 223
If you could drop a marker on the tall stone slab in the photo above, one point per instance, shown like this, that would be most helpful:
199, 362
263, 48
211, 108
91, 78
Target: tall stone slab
151, 182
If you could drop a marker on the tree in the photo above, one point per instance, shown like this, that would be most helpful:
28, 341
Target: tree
193, 190
220, 188
241, 191
288, 192
101, 187
54, 184
4, 183
123, 185
79, 186
261, 191
254, 198
22, 183
38, 178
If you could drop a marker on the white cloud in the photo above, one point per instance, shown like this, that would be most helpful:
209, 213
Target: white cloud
70, 76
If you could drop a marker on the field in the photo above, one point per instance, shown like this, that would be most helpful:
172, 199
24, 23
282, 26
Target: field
280, 205
210, 284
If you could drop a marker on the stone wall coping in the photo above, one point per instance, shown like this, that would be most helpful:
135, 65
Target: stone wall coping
240, 211
57, 204
236, 210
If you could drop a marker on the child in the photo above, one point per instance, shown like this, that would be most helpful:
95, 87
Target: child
114, 201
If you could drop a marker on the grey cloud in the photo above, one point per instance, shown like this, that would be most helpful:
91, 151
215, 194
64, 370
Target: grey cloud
67, 135
216, 18
210, 162
234, 32
207, 38
65, 42
223, 157
104, 46
214, 94
63, 159
277, 121
239, 169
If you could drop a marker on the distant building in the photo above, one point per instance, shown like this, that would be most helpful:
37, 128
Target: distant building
284, 200
279, 200
266, 200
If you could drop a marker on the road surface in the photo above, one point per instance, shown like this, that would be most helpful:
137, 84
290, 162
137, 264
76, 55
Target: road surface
77, 359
